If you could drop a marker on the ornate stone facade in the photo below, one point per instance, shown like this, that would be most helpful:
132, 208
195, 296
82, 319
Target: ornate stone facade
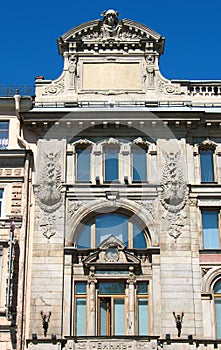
112, 193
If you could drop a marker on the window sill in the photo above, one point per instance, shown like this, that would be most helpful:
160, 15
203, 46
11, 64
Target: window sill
210, 251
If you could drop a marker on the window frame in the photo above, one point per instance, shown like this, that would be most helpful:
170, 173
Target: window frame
142, 296
80, 296
91, 222
145, 148
111, 314
204, 148
106, 148
3, 130
82, 148
210, 210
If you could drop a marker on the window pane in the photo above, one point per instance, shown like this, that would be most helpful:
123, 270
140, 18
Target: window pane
218, 317
111, 288
80, 287
4, 134
83, 164
206, 164
80, 316
139, 164
111, 164
142, 316
104, 307
84, 240
139, 240
142, 288
111, 224
217, 288
211, 238
118, 316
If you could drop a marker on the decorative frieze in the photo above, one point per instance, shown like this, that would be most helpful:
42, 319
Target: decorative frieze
111, 345
6, 172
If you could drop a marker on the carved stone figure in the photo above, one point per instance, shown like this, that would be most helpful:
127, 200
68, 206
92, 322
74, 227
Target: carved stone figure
49, 192
72, 69
174, 188
179, 320
111, 27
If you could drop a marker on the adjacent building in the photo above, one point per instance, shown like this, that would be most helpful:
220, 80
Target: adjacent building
110, 201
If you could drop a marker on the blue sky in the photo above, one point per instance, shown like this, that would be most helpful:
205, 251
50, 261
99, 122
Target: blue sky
29, 30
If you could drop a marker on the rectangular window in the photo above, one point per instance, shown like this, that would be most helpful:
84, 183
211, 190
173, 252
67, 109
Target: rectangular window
207, 165
118, 316
210, 226
80, 308
139, 164
4, 127
1, 200
142, 308
83, 164
111, 164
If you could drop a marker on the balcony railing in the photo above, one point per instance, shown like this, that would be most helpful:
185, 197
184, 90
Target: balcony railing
11, 90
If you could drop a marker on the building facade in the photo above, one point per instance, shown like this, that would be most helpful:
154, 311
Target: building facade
113, 201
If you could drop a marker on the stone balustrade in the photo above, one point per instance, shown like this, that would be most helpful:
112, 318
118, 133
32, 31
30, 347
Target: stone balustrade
204, 89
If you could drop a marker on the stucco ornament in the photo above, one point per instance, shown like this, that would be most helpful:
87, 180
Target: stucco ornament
111, 27
47, 222
174, 193
174, 224
173, 185
49, 190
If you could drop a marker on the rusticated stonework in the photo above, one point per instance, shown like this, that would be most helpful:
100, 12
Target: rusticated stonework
16, 202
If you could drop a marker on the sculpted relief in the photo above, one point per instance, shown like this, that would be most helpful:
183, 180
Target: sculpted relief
173, 193
174, 188
48, 189
111, 27
49, 194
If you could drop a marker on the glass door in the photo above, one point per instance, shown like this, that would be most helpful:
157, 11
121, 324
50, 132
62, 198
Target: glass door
111, 309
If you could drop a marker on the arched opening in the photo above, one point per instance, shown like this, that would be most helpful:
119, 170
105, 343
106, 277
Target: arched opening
217, 305
125, 228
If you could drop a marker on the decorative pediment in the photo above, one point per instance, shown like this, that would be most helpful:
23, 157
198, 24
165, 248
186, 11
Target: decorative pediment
208, 144
140, 142
111, 252
83, 142
110, 30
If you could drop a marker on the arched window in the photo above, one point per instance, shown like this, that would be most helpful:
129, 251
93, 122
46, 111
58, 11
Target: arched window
118, 225
217, 302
